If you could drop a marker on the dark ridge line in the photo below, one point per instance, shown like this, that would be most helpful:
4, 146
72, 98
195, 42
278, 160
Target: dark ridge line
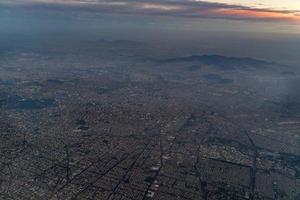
214, 57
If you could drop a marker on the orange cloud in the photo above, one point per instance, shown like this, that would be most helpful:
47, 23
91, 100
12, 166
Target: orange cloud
257, 14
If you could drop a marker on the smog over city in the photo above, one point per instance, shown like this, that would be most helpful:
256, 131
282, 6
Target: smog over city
149, 100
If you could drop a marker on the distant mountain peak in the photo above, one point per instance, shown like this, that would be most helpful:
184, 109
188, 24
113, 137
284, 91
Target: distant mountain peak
224, 62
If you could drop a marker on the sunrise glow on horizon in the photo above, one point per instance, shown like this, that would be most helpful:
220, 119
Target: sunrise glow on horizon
264, 4
243, 10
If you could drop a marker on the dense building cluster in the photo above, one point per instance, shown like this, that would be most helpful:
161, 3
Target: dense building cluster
94, 127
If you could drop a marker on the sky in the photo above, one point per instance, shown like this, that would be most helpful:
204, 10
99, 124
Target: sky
252, 27
272, 16
276, 10
267, 4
